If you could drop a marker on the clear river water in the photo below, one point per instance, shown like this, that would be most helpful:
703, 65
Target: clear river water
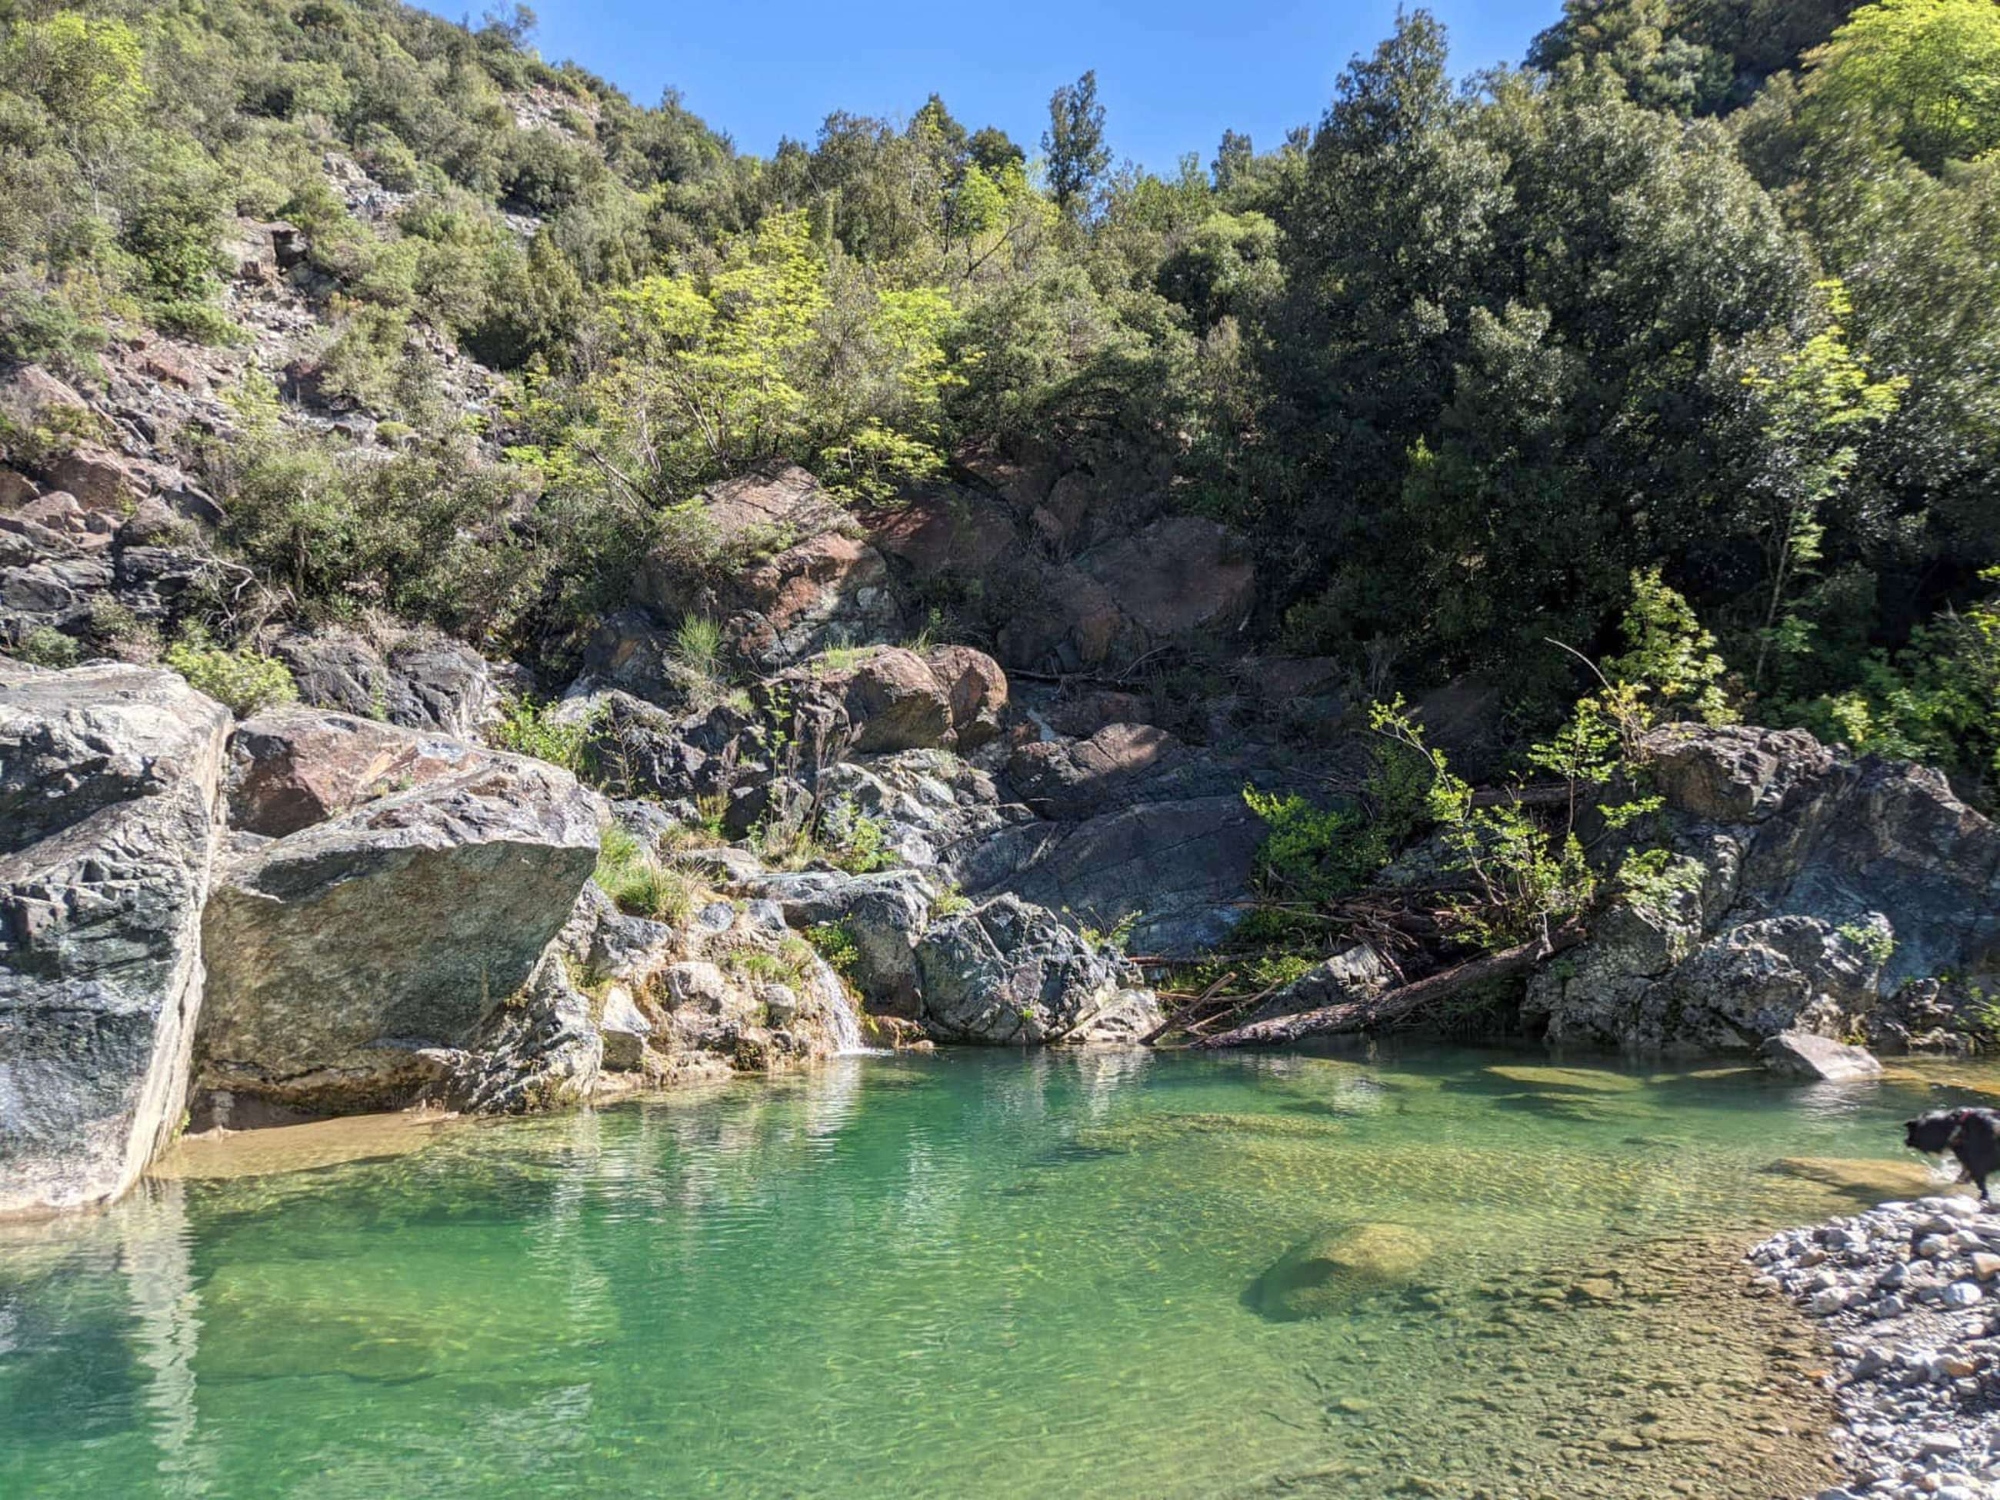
970, 1275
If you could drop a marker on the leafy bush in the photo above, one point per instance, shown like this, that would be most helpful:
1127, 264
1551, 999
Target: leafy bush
835, 943
530, 728
854, 841
45, 646
245, 680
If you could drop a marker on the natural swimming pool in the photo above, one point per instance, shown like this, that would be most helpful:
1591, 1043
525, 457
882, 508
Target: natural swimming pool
978, 1274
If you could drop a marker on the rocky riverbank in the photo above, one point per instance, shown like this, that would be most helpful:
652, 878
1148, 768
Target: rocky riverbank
1910, 1293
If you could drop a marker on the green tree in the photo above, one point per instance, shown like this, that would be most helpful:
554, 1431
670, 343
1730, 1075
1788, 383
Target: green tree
1809, 403
1074, 144
87, 75
1926, 70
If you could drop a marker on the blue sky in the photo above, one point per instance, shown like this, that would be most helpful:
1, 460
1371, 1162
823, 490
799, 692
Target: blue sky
1171, 73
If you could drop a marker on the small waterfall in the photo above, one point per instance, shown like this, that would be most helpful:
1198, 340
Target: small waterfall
843, 1024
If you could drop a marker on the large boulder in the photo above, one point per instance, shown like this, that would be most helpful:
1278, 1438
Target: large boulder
958, 532
110, 807
1179, 575
292, 767
425, 682
347, 959
892, 699
441, 684
336, 669
1179, 868
1012, 973
976, 690
795, 579
893, 702
1816, 1059
883, 914
1809, 890
1073, 779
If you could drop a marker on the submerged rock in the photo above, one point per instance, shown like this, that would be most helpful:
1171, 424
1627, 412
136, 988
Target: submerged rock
1861, 1178
110, 807
1325, 1273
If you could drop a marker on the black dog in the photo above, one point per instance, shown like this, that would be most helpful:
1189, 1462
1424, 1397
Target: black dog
1971, 1135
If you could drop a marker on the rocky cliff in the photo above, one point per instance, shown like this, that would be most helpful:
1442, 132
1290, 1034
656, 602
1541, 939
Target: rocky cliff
1815, 893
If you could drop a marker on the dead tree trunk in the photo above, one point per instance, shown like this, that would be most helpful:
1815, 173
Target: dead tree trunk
1402, 1002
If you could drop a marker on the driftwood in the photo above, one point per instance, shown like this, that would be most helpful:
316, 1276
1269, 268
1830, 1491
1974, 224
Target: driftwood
1402, 1002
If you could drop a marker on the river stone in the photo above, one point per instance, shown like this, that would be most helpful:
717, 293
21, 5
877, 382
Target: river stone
344, 954
1799, 1054
1323, 1274
110, 806
624, 1030
1010, 972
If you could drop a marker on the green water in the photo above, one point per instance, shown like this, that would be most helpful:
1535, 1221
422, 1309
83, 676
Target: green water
970, 1275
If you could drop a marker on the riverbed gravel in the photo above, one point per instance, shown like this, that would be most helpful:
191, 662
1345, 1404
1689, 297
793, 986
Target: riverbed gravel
1909, 1294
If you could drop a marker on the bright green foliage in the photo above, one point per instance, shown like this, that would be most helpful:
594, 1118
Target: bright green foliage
1937, 700
1810, 400
244, 680
1669, 656
1925, 71
709, 372
1522, 879
834, 942
1319, 854
45, 646
638, 883
84, 74
854, 841
530, 728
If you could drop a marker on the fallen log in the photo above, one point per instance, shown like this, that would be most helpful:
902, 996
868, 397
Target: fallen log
1402, 1002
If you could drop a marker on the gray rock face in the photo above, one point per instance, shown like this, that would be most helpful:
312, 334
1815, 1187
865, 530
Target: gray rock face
110, 807
1818, 895
884, 914
427, 682
1010, 973
343, 955
1801, 1055
541, 1050
1181, 865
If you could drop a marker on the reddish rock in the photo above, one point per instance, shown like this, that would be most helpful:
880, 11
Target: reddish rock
294, 767
15, 489
961, 532
31, 394
976, 689
98, 478
1180, 574
168, 365
57, 510
895, 702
